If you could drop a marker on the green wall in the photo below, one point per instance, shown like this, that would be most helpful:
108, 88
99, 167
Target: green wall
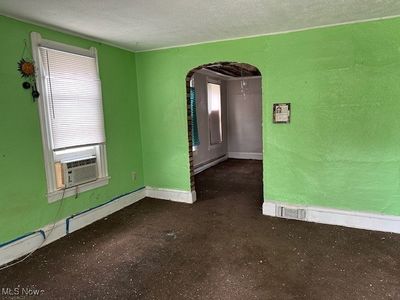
342, 148
23, 203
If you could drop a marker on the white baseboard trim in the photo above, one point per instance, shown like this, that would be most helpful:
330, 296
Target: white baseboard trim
26, 244
20, 247
53, 234
88, 217
353, 219
210, 164
245, 155
31, 242
173, 195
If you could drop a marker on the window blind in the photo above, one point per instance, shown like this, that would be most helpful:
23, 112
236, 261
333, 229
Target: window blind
73, 93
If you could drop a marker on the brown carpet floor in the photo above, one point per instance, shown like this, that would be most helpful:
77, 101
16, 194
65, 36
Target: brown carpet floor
221, 247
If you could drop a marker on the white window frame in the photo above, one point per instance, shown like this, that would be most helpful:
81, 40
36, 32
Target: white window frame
216, 145
54, 194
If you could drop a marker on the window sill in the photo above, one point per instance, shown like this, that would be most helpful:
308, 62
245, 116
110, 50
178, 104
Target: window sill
57, 195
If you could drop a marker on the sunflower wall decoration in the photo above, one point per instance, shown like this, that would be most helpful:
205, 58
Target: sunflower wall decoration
27, 69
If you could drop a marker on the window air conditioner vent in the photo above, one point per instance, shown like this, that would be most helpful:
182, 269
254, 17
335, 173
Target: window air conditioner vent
78, 163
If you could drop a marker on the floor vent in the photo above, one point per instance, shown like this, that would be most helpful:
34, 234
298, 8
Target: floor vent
291, 213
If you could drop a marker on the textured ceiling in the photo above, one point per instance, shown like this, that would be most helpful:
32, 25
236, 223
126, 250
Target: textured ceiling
151, 24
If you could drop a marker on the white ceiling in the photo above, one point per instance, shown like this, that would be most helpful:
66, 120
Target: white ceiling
150, 24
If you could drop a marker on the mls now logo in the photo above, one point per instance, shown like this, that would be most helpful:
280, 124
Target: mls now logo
10, 292
21, 291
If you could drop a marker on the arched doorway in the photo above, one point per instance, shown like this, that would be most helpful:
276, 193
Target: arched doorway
235, 74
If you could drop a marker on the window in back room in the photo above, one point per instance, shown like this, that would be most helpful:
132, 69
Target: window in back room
214, 112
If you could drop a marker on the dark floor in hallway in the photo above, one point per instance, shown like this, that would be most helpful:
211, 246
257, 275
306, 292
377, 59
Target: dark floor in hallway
221, 247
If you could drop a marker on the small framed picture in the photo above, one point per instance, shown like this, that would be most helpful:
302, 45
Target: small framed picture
281, 113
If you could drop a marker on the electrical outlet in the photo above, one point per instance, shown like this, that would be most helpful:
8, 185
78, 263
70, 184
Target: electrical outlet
133, 174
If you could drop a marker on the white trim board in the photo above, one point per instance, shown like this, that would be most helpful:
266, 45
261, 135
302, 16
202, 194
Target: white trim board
173, 195
210, 164
353, 219
58, 195
245, 155
20, 247
25, 245
30, 243
81, 220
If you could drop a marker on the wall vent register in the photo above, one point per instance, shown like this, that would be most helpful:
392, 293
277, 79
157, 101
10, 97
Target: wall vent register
291, 213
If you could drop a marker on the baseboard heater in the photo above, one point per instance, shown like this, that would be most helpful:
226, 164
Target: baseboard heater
208, 164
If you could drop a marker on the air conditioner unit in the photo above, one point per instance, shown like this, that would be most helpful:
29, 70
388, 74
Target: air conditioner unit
79, 171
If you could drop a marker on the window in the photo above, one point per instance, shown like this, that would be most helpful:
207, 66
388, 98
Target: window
214, 113
71, 112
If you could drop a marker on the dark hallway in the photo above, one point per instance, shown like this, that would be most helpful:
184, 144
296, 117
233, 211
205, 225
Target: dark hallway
221, 247
234, 180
